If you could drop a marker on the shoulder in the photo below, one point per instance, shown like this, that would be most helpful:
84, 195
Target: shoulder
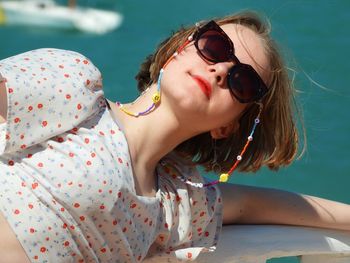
46, 56
47, 52
58, 65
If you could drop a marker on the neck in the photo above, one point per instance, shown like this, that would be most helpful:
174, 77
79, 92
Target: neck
150, 137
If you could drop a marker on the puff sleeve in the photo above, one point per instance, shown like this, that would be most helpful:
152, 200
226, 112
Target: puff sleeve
49, 91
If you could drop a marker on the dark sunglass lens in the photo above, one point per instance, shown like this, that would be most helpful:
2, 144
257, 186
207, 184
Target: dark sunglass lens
244, 83
213, 46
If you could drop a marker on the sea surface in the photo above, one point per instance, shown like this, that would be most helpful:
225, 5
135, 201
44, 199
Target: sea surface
314, 36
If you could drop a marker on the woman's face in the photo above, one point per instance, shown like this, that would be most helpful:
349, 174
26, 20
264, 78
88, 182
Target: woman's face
188, 77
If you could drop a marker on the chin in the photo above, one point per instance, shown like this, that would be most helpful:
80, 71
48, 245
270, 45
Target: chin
184, 100
184, 97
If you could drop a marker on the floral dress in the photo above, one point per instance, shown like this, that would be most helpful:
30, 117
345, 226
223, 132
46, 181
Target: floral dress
66, 182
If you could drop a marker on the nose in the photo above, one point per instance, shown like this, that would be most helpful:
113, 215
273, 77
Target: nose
219, 71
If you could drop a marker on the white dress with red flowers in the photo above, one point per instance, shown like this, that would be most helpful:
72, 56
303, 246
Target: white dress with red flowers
66, 181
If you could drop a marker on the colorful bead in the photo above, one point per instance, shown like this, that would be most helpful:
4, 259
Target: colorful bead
156, 97
223, 178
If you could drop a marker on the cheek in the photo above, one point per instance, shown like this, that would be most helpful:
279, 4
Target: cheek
227, 110
177, 71
178, 86
172, 81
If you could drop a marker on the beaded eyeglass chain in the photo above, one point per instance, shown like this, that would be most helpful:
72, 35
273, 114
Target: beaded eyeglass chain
225, 176
156, 99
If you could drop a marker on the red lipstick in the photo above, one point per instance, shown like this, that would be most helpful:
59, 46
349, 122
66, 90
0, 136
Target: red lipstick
203, 84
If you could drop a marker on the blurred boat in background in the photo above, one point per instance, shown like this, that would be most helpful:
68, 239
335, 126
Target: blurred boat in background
48, 14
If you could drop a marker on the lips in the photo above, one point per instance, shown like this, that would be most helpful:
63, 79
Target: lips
203, 84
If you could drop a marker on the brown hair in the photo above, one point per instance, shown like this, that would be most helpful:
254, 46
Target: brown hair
276, 137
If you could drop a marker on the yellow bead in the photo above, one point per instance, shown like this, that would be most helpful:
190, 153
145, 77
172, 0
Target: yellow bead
156, 97
223, 178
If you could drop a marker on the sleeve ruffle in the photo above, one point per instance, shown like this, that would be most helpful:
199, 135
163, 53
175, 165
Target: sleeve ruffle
49, 91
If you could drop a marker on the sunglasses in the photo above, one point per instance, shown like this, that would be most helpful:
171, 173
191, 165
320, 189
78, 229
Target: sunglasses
215, 46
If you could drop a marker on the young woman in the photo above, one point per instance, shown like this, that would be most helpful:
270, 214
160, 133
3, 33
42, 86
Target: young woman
84, 179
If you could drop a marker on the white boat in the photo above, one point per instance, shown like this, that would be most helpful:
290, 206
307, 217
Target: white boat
48, 14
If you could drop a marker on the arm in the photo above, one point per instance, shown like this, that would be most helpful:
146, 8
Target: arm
3, 101
254, 205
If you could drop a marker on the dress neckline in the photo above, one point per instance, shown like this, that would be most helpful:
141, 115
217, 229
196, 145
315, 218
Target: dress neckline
117, 122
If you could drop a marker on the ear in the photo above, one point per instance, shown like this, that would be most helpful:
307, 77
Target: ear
225, 131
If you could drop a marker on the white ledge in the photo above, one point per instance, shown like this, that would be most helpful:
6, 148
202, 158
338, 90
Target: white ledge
258, 243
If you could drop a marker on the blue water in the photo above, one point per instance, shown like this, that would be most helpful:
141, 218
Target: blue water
315, 36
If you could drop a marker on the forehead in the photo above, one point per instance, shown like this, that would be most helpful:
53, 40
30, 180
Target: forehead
249, 48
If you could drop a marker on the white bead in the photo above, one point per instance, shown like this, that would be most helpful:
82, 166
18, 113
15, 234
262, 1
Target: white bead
200, 185
161, 70
250, 138
239, 157
190, 38
257, 120
175, 54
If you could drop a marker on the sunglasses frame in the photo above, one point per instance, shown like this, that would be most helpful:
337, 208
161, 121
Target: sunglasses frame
261, 88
